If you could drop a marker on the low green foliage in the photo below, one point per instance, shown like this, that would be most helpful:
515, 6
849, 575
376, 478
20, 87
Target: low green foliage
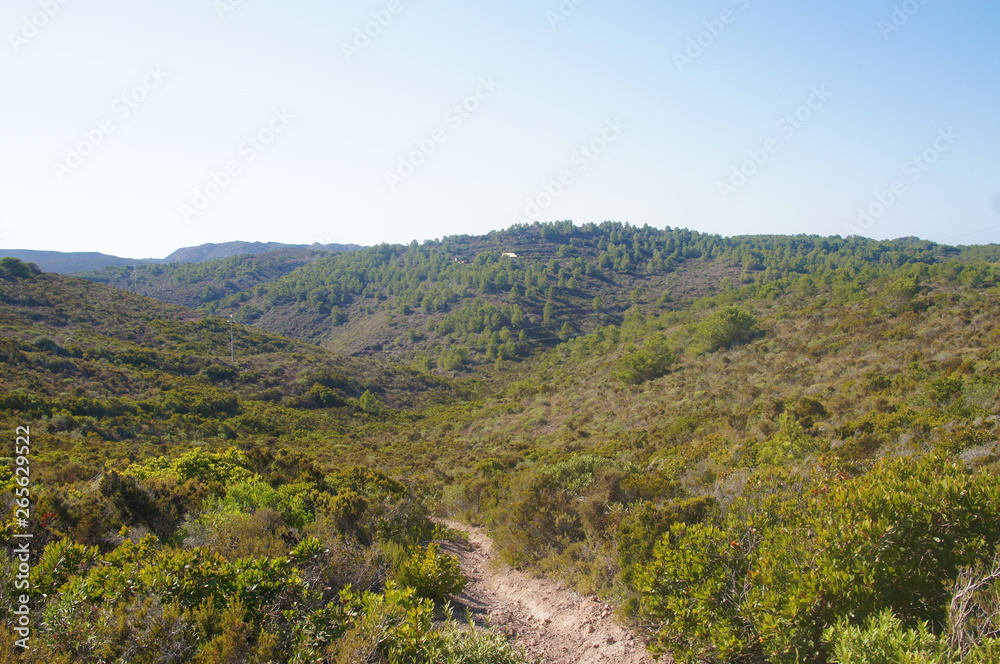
651, 361
369, 403
790, 443
726, 328
432, 574
466, 644
883, 640
220, 468
794, 555
265, 573
646, 524
395, 627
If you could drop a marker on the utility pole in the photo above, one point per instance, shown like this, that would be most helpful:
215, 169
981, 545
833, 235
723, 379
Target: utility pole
232, 348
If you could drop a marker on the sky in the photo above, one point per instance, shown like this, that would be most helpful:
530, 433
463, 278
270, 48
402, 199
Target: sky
135, 128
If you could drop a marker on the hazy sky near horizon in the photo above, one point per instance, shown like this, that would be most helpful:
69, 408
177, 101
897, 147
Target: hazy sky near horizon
135, 128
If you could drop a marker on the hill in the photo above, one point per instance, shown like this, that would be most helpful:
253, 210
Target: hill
210, 251
203, 284
132, 376
464, 301
75, 262
70, 262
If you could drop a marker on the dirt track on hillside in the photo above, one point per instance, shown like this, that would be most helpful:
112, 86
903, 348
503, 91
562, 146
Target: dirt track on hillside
553, 625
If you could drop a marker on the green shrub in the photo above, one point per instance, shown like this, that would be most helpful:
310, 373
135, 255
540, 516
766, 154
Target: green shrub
250, 495
12, 269
883, 640
469, 645
142, 630
789, 444
236, 535
434, 575
60, 561
221, 468
369, 403
320, 396
726, 328
645, 524
218, 372
453, 359
396, 627
794, 555
647, 363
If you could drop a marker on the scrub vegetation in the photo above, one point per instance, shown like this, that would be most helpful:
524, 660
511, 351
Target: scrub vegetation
759, 449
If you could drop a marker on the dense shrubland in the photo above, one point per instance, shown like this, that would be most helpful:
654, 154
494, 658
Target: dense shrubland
231, 556
796, 555
761, 448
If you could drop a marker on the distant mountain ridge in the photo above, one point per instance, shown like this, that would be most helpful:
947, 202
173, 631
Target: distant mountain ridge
75, 262
211, 251
62, 262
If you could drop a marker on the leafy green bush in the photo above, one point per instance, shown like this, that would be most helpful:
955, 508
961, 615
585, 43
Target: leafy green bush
645, 524
221, 468
12, 268
647, 363
369, 402
576, 473
250, 495
794, 555
469, 645
790, 443
396, 627
454, 359
433, 574
142, 630
883, 640
237, 535
320, 396
726, 328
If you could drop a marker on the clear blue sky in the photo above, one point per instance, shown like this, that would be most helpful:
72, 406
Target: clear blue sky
670, 119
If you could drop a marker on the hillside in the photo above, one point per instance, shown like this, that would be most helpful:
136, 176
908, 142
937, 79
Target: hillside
758, 449
463, 301
76, 262
212, 251
204, 284
63, 262
132, 376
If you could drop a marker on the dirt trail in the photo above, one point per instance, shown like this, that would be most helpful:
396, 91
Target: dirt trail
554, 625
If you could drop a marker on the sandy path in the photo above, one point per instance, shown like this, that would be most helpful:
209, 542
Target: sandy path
554, 625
